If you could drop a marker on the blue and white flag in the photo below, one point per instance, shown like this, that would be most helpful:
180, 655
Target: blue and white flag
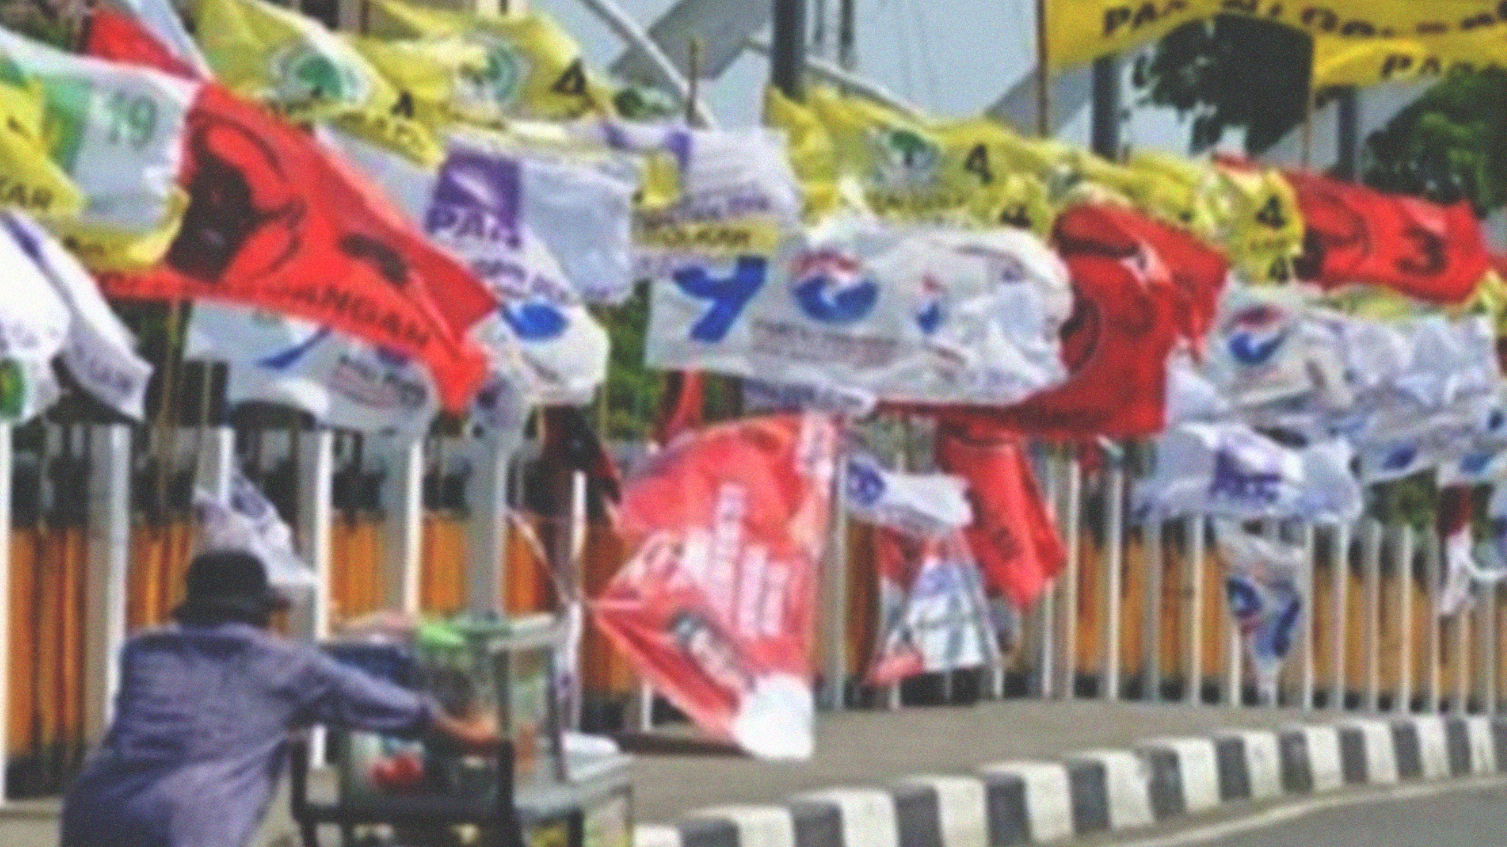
923, 505
1230, 470
1264, 583
247, 521
904, 313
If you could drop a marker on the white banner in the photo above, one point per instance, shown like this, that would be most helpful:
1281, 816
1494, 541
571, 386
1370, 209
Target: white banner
248, 522
923, 505
99, 351
118, 131
1264, 583
341, 381
908, 314
1229, 469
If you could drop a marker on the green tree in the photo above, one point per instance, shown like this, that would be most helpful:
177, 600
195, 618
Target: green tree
1230, 73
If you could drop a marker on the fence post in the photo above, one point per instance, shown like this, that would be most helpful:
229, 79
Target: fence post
1372, 563
1311, 620
1463, 665
1069, 620
1486, 655
1151, 611
403, 523
834, 595
1431, 567
1404, 565
1114, 507
109, 556
7, 475
487, 535
1196, 529
1047, 628
1340, 590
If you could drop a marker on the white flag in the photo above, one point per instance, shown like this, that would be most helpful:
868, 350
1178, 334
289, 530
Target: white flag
908, 314
1264, 583
923, 505
248, 522
342, 381
1229, 469
99, 351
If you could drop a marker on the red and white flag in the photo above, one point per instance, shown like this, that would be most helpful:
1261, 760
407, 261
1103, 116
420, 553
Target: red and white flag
717, 606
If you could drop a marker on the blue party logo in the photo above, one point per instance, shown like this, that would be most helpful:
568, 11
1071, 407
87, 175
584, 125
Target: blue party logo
929, 317
831, 287
535, 321
865, 483
1400, 458
1255, 335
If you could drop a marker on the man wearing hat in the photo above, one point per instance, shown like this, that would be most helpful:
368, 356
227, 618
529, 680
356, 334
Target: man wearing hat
202, 719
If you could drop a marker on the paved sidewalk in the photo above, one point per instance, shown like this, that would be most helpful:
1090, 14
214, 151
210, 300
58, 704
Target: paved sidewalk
675, 773
869, 747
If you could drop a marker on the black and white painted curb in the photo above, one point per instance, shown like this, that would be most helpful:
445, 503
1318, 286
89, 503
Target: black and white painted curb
1104, 790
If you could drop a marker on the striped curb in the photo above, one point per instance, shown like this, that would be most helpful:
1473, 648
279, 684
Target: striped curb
1096, 791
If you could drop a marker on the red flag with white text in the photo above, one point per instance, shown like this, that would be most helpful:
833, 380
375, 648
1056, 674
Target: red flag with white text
717, 605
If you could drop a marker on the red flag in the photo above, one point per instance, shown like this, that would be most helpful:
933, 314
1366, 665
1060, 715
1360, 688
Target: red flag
717, 605
1115, 343
112, 34
1357, 234
680, 406
275, 222
1198, 275
1012, 535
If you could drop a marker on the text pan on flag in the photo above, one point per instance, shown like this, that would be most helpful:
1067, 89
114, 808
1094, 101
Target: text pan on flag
1080, 30
539, 331
933, 615
1012, 536
909, 315
1360, 235
1230, 470
717, 605
276, 223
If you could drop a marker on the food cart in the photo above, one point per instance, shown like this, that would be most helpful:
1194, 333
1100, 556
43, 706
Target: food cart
536, 791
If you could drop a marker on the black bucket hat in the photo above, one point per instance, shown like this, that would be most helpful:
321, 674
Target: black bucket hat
231, 584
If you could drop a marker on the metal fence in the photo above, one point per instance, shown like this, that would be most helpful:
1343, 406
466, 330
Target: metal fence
100, 533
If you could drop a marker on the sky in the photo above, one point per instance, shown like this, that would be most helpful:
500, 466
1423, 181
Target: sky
950, 57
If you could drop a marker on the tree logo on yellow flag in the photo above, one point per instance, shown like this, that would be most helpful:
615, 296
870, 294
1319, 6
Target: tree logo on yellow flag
904, 157
496, 81
303, 75
12, 389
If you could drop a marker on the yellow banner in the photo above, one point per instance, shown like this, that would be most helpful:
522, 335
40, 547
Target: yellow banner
1081, 30
301, 70
1348, 61
451, 67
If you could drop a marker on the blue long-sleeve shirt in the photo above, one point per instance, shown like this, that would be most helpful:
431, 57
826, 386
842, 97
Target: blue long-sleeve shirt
200, 734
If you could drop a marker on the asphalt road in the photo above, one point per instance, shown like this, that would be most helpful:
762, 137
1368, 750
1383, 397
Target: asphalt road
1462, 814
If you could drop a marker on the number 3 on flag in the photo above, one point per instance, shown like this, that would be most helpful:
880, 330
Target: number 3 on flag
727, 294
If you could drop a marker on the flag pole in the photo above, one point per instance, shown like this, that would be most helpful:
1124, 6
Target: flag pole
1043, 74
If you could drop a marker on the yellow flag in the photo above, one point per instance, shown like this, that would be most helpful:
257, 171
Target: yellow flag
812, 156
295, 66
451, 67
1260, 221
29, 179
1361, 62
106, 249
914, 169
1080, 30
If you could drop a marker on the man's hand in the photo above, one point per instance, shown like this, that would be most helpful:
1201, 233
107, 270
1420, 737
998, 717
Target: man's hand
477, 732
